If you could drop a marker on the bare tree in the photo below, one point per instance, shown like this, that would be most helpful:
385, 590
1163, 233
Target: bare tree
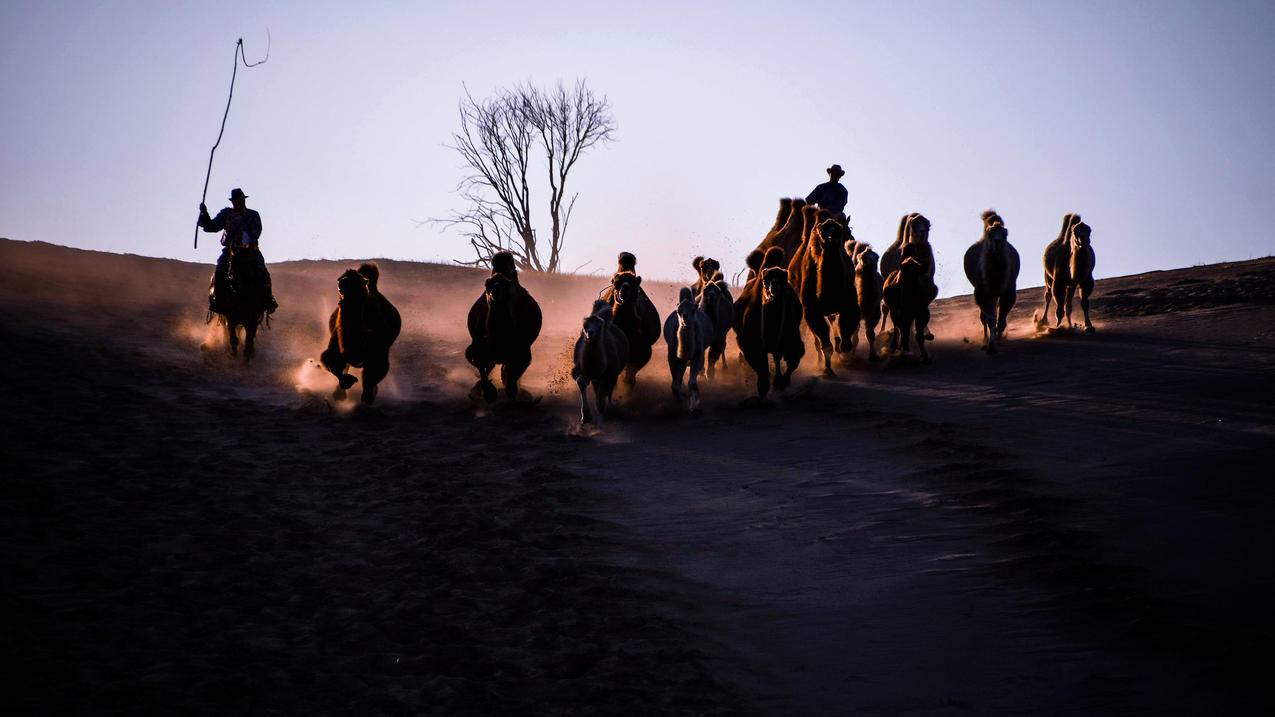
497, 140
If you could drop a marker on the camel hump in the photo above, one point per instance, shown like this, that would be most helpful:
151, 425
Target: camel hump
685, 294
602, 309
695, 263
774, 257
627, 261
754, 260
371, 272
990, 217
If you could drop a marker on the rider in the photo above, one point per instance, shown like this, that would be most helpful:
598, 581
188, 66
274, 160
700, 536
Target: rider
831, 195
241, 229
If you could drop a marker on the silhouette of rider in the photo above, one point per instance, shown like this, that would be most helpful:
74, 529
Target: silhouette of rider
241, 230
831, 195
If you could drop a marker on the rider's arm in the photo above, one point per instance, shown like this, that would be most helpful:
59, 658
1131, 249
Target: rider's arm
213, 224
813, 197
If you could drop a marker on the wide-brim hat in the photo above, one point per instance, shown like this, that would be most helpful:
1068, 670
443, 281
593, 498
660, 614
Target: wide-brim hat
237, 193
836, 169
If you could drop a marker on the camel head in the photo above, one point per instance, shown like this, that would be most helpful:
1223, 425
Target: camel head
918, 230
498, 291
625, 286
593, 329
711, 294
996, 235
351, 285
686, 306
774, 284
912, 270
707, 268
371, 272
865, 260
828, 238
1080, 235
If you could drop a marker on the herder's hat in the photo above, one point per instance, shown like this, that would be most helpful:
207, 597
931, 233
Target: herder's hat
237, 193
836, 169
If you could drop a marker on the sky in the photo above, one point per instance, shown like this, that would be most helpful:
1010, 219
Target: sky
1154, 120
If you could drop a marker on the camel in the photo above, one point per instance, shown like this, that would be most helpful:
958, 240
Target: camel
823, 278
503, 324
767, 322
1082, 265
241, 302
1069, 263
914, 228
707, 270
715, 299
601, 353
868, 284
361, 331
991, 265
908, 292
637, 317
688, 332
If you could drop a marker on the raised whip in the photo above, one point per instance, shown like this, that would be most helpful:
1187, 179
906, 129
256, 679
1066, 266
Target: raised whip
239, 53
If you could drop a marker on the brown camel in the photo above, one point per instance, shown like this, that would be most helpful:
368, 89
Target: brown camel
908, 292
991, 265
601, 353
868, 285
635, 314
1069, 263
767, 323
361, 331
242, 303
503, 324
823, 278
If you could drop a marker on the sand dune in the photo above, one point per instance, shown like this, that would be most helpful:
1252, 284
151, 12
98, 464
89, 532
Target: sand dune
1079, 525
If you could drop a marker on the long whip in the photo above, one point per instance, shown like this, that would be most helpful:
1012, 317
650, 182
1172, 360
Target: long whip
239, 53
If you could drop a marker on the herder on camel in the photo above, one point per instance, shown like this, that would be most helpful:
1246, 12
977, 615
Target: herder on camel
241, 230
831, 195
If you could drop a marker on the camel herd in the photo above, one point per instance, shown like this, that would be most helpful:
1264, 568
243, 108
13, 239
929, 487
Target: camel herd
808, 275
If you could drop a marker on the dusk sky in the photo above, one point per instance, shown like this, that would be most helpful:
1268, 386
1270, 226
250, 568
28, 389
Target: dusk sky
1154, 120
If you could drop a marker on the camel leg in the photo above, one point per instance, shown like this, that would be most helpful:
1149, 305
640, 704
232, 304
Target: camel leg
823, 341
1006, 305
583, 384
870, 333
232, 338
1071, 296
697, 366
249, 342
334, 362
1060, 298
1049, 296
676, 369
922, 331
374, 371
760, 364
513, 370
904, 334
477, 357
848, 328
1085, 290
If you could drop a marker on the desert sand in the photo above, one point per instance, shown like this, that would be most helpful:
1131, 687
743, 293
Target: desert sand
1078, 525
